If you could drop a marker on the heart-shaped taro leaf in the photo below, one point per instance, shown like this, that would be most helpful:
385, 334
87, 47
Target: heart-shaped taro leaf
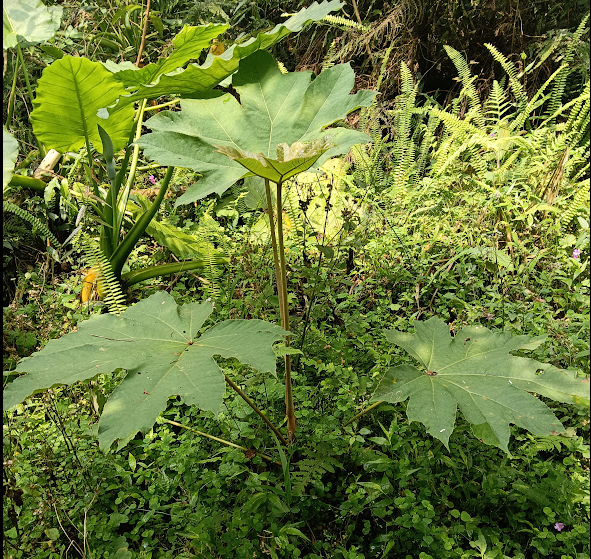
157, 342
70, 93
477, 372
28, 22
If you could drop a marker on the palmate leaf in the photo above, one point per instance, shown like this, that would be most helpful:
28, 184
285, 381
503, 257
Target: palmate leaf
28, 22
290, 161
157, 342
70, 93
196, 79
476, 372
278, 116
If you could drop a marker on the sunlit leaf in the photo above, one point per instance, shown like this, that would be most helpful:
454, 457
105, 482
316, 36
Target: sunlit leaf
477, 372
279, 117
28, 22
70, 94
159, 345
171, 78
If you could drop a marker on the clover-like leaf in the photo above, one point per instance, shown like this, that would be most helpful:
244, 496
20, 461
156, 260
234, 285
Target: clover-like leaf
476, 372
9, 155
278, 115
170, 78
28, 22
70, 93
157, 342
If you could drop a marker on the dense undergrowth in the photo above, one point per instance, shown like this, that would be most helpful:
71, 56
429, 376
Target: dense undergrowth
474, 210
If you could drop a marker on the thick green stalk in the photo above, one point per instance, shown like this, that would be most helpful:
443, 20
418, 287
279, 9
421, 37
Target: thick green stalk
289, 407
237, 389
131, 278
278, 277
127, 245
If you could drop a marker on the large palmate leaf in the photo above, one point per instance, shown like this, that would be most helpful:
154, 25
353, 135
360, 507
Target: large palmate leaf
70, 93
166, 79
157, 342
28, 22
476, 371
275, 112
9, 155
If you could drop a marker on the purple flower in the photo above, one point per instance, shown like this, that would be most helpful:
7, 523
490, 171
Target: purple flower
152, 179
558, 526
576, 253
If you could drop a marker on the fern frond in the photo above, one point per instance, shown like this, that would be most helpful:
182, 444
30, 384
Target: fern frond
102, 276
212, 234
37, 224
560, 83
346, 23
514, 83
579, 200
328, 61
496, 106
467, 80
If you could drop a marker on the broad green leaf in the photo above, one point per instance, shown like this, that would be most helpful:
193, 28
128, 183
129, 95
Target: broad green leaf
196, 79
180, 243
278, 114
9, 155
188, 44
476, 372
70, 93
159, 345
28, 22
291, 160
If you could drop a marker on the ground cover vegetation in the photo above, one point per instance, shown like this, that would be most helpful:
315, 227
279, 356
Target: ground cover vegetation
296, 280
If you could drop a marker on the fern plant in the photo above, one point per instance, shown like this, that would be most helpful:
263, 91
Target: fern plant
35, 222
503, 146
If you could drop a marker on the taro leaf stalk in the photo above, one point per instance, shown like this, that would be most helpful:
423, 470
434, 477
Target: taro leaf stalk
276, 130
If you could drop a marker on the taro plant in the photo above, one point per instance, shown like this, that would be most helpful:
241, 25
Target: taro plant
85, 104
277, 130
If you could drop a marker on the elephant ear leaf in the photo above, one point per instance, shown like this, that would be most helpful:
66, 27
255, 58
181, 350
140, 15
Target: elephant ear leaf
159, 345
278, 128
9, 155
477, 372
168, 76
71, 94
27, 22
